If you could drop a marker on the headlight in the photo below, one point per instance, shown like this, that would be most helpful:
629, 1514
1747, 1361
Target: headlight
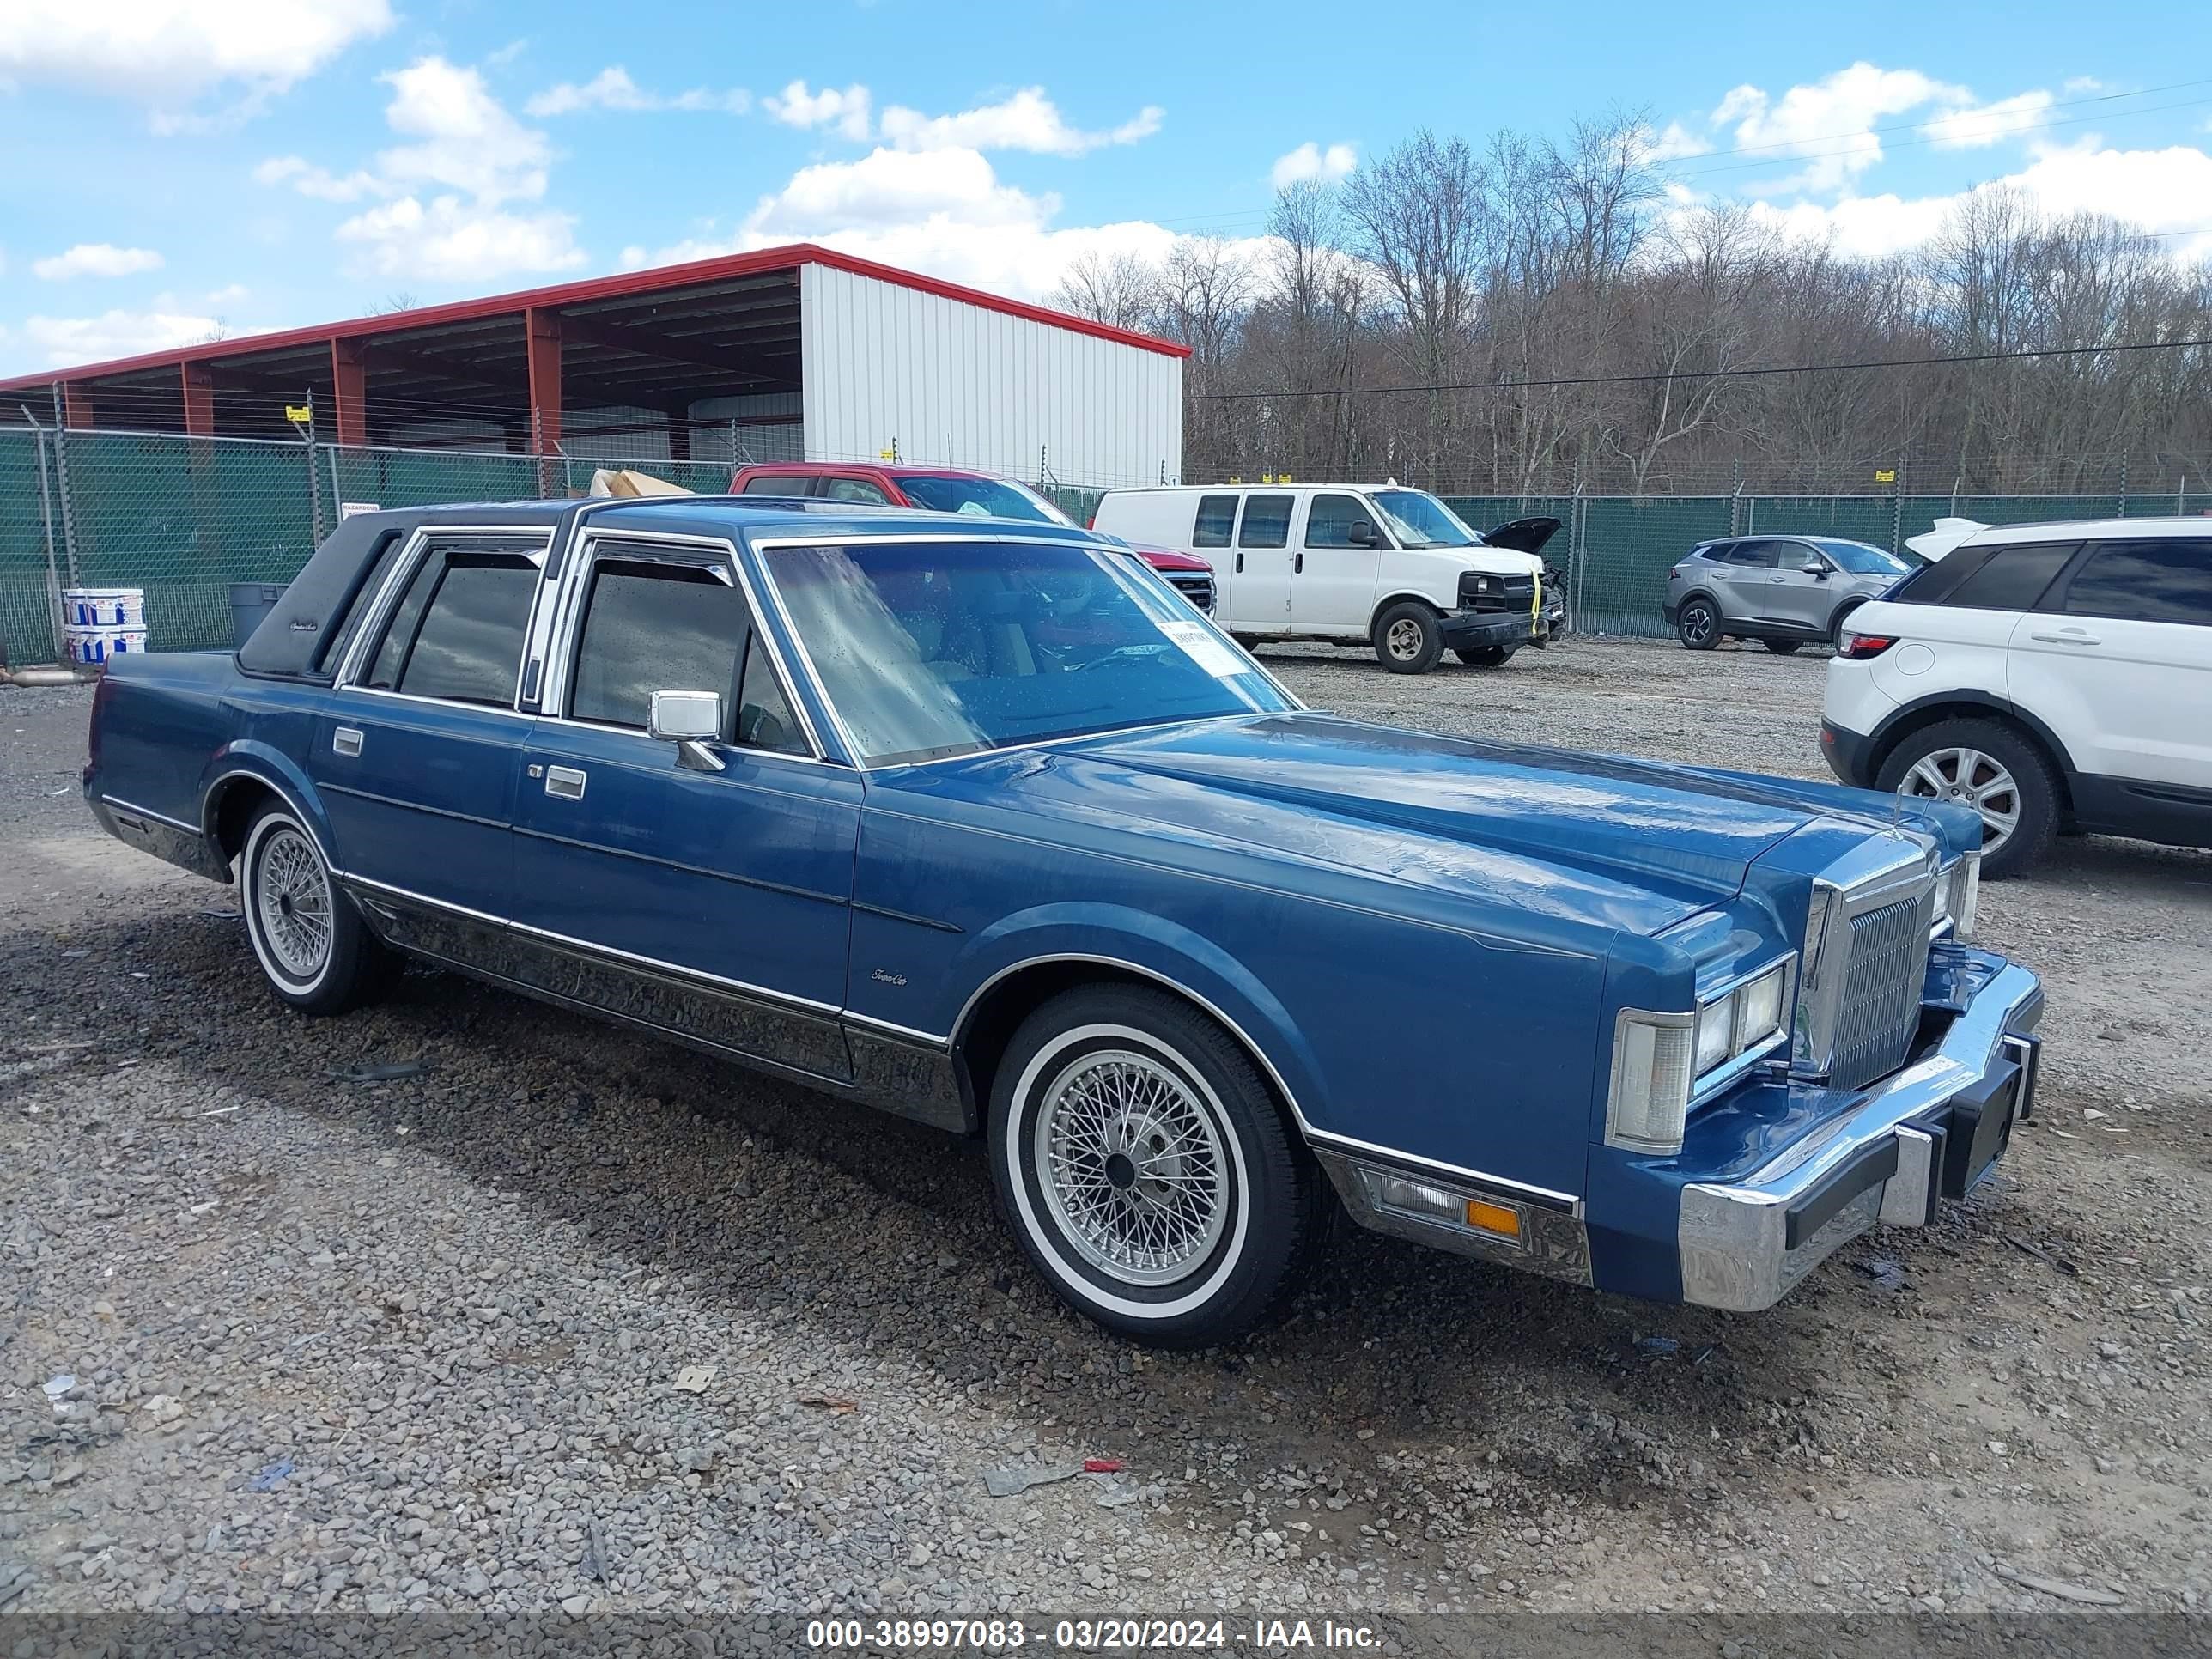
1485, 584
1738, 1021
1958, 896
1652, 1061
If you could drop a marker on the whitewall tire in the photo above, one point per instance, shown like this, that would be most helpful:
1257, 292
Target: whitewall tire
1146, 1168
313, 949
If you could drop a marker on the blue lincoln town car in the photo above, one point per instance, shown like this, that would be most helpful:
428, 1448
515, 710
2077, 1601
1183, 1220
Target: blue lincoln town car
983, 823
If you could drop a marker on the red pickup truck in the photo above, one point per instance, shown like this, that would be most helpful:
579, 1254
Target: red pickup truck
947, 489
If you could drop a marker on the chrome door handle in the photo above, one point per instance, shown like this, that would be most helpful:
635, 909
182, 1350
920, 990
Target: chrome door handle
2067, 636
564, 782
346, 740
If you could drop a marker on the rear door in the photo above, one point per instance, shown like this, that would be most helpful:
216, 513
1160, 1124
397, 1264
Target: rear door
1260, 563
1738, 572
1333, 576
2119, 659
417, 764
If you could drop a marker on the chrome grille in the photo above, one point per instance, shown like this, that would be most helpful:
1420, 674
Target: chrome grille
1880, 1008
1195, 586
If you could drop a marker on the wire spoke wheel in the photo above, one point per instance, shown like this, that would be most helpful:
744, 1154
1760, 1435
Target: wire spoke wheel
1968, 777
1133, 1167
291, 900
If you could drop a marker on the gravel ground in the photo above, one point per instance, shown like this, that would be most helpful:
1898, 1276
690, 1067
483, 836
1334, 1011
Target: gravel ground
570, 1320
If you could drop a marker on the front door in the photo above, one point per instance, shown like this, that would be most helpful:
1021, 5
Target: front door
704, 889
1338, 561
1259, 570
1795, 596
417, 764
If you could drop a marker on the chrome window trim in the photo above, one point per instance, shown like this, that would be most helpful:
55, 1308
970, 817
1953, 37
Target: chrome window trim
718, 553
538, 546
434, 702
737, 749
766, 545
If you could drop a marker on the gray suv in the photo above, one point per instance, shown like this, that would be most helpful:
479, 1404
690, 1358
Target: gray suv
1782, 591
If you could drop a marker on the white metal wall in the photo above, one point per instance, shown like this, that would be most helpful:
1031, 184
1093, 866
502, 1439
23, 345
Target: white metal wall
957, 385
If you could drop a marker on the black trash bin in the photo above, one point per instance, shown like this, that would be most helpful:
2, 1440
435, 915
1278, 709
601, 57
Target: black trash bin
249, 602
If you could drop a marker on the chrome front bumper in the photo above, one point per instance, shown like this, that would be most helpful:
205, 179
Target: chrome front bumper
1744, 1244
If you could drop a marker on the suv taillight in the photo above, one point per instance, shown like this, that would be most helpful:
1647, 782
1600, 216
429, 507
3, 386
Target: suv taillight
1859, 646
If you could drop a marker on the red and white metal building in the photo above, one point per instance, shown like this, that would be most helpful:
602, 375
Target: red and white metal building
789, 353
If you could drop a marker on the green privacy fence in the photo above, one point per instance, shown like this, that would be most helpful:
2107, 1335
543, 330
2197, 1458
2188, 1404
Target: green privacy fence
183, 518
1616, 549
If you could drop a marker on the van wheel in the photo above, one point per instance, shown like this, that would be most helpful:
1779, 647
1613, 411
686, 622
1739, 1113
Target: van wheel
1145, 1170
1991, 769
1408, 639
1485, 656
314, 950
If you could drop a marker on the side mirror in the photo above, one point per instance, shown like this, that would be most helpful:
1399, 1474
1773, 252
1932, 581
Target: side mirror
1363, 534
1814, 568
691, 721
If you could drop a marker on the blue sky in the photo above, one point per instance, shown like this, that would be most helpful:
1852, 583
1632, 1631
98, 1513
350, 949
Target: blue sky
175, 166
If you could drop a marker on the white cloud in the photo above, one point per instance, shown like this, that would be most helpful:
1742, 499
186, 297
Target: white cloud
318, 182
229, 294
1980, 126
612, 89
165, 52
847, 110
2158, 191
1027, 121
61, 340
458, 241
449, 200
943, 212
1674, 142
1830, 123
1310, 161
97, 259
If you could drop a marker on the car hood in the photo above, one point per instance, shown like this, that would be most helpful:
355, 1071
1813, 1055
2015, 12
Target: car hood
1586, 838
1168, 558
1522, 535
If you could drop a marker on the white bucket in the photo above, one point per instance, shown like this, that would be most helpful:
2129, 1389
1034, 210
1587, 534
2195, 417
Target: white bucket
92, 646
104, 607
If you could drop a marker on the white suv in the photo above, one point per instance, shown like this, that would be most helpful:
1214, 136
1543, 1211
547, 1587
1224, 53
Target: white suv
2055, 677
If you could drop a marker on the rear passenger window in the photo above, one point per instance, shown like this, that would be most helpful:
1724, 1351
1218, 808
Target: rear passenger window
776, 486
651, 626
1266, 522
2012, 578
2168, 580
1759, 555
1216, 517
854, 490
456, 633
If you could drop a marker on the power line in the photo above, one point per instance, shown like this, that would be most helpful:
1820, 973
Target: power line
1689, 374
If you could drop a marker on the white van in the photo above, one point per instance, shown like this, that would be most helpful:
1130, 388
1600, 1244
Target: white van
1374, 565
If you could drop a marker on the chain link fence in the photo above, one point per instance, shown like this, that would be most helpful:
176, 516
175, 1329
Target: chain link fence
183, 518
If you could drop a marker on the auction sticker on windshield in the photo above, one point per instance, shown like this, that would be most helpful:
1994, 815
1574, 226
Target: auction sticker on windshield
1208, 653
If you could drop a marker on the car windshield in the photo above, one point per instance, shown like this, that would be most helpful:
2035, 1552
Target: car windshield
1861, 559
1419, 520
980, 498
930, 649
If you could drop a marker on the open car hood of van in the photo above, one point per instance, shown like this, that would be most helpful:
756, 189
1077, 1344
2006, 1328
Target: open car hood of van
1522, 535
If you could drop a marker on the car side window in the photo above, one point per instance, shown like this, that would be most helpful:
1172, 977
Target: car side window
1266, 522
2166, 579
1330, 518
1756, 556
764, 716
1796, 556
648, 627
854, 490
2011, 578
1216, 517
456, 632
778, 485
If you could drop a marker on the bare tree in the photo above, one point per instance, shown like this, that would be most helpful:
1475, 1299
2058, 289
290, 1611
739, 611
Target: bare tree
1118, 289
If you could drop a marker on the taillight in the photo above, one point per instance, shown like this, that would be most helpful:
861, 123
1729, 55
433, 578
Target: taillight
1859, 646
